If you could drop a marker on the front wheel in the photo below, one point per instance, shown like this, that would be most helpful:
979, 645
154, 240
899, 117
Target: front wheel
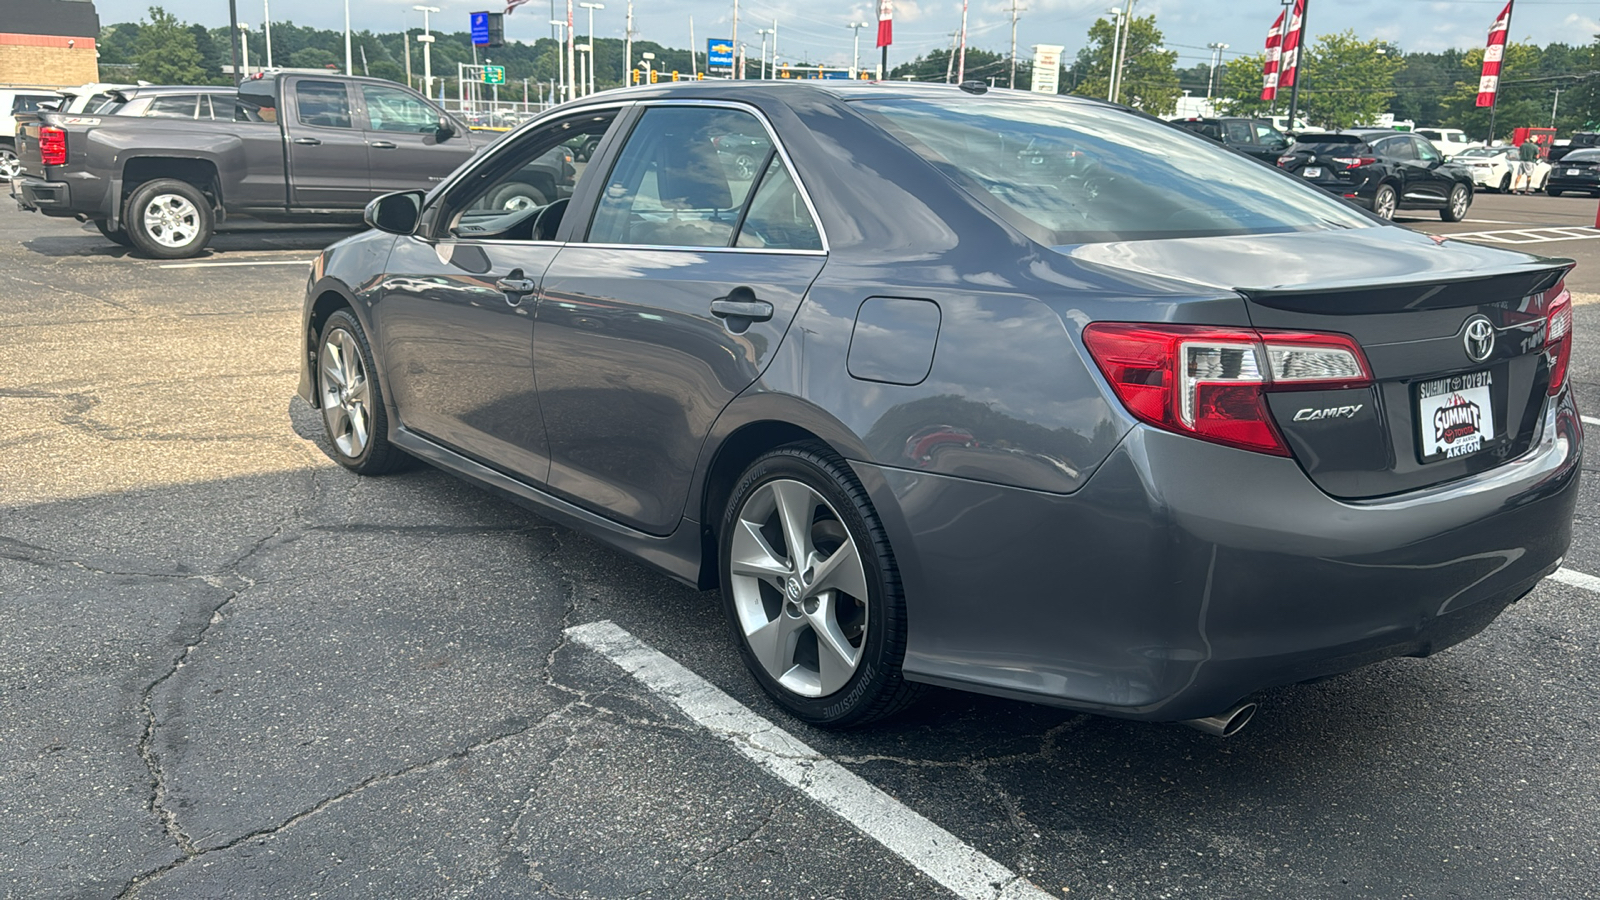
1456, 208
169, 219
352, 400
1384, 202
811, 590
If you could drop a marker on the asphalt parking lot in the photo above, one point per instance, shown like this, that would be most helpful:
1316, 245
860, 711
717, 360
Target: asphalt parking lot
232, 669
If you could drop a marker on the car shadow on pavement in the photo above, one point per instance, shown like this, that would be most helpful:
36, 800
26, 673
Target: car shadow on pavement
242, 238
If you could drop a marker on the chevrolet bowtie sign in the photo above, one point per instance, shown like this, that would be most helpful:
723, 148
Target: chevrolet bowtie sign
719, 54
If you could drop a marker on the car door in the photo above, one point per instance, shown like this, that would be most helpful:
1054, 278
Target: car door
455, 312
405, 147
1434, 178
669, 303
327, 153
1400, 159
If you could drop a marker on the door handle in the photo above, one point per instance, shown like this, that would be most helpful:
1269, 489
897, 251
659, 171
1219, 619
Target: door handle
383, 145
516, 286
307, 142
754, 310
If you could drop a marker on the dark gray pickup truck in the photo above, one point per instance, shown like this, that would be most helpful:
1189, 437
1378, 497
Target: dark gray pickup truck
288, 148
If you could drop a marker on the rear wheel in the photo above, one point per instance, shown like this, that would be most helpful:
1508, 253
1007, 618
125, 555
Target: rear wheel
811, 590
352, 400
1552, 191
1456, 208
1385, 201
517, 195
1505, 184
114, 235
169, 219
10, 166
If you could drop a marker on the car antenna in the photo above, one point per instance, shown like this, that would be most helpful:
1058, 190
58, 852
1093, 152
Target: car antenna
974, 87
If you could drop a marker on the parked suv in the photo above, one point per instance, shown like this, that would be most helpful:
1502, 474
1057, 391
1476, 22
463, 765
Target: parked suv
1382, 170
1581, 140
1255, 137
13, 101
170, 102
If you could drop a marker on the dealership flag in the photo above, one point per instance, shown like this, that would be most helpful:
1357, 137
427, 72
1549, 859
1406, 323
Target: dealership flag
885, 22
513, 4
1289, 61
1489, 83
1269, 72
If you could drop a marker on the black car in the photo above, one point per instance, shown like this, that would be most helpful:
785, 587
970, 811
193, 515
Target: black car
1581, 140
1579, 170
1255, 137
1382, 170
1138, 430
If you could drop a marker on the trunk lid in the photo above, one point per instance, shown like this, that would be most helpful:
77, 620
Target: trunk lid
1418, 306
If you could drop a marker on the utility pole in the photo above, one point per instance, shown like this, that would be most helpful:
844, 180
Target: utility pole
763, 32
233, 39
1014, 10
572, 56
1553, 105
735, 40
426, 40
694, 57
561, 62
855, 64
961, 73
1122, 55
244, 46
409, 83
1216, 57
349, 62
627, 39
774, 48
591, 7
1116, 45
266, 27
950, 61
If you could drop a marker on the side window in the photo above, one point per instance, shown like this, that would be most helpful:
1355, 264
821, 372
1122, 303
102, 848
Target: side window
173, 106
389, 109
1395, 148
1268, 136
1239, 133
1425, 151
253, 107
778, 218
682, 178
323, 103
523, 194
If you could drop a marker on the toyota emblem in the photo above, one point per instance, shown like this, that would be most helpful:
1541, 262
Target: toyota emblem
1478, 338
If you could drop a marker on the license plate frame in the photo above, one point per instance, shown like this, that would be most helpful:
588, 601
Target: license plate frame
1574, 171
1456, 416
1311, 172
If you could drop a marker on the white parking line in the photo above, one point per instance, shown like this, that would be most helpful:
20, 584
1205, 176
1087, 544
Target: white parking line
221, 265
940, 855
1576, 579
1530, 235
1590, 420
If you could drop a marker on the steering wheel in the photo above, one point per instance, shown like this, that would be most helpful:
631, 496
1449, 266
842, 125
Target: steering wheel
548, 220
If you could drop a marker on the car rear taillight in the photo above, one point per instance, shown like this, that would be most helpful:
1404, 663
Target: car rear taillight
1558, 337
52, 146
1355, 162
1285, 160
1211, 383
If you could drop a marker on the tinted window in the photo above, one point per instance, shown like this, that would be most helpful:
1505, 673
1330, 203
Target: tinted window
172, 106
778, 218
1068, 172
389, 109
323, 103
27, 103
1266, 134
682, 178
1395, 148
1239, 133
1425, 151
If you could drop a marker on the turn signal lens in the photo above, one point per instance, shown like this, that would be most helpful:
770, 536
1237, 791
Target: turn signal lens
1351, 162
1211, 383
52, 146
1558, 337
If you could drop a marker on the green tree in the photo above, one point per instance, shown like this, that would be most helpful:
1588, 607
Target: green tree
1520, 101
165, 51
1149, 80
1239, 86
1345, 81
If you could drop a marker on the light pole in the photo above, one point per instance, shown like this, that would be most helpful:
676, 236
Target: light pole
244, 47
591, 7
561, 60
349, 63
266, 27
763, 32
855, 58
426, 39
1216, 57
585, 65
1116, 45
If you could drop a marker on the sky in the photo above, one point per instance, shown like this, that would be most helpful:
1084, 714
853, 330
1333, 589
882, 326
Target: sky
819, 31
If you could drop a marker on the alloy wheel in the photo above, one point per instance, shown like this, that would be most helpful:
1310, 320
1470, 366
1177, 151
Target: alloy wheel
171, 220
799, 588
345, 391
10, 166
1458, 203
1384, 204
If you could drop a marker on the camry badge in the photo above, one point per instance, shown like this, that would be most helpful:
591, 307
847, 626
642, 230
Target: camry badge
1478, 338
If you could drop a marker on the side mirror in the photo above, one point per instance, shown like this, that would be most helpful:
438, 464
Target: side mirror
396, 213
446, 130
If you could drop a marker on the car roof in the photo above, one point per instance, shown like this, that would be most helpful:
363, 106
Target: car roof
798, 88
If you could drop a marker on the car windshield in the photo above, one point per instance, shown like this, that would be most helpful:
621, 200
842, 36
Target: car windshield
1073, 173
1582, 156
1482, 151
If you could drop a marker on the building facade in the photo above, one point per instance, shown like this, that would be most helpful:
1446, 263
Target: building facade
48, 43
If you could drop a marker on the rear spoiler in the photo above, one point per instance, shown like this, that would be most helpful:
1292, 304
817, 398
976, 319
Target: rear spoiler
1435, 293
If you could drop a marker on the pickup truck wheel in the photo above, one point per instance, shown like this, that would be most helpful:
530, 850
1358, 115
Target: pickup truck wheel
169, 219
114, 235
10, 166
516, 196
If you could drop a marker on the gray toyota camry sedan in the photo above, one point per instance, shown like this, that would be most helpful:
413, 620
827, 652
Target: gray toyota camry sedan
1032, 396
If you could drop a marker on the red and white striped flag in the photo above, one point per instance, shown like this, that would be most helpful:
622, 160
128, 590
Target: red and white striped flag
885, 23
513, 4
1493, 55
1269, 72
1289, 62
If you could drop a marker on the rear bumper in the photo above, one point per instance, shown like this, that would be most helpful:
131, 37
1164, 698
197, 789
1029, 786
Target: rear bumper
1165, 589
1559, 183
53, 198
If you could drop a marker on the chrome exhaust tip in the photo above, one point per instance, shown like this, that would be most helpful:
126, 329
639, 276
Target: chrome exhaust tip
1225, 724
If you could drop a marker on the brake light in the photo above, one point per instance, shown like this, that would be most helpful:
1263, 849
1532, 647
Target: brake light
1285, 160
52, 146
1558, 337
1211, 383
1354, 162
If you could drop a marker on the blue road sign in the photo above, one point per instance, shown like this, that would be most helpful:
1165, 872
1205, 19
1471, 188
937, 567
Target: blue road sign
480, 28
719, 53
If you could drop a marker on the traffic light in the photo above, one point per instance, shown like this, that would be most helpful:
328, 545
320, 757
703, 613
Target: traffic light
674, 74
654, 76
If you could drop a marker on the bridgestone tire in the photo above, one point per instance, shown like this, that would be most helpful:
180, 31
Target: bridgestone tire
197, 227
876, 689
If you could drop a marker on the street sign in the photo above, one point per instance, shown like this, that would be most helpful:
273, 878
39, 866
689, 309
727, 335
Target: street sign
488, 29
719, 53
494, 74
480, 29
1047, 68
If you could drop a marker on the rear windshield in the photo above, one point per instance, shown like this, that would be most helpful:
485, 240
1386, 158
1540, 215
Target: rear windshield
1073, 173
1582, 156
27, 103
